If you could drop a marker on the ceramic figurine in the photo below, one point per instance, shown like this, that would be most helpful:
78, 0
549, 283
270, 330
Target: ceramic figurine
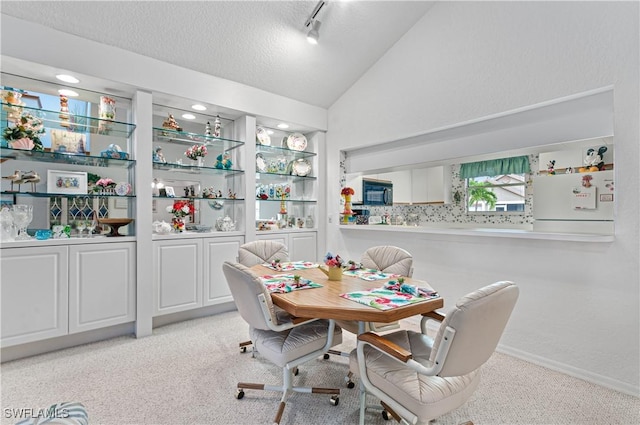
207, 129
171, 123
217, 126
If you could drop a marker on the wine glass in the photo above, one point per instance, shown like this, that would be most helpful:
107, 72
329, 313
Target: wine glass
80, 226
22, 216
91, 226
6, 225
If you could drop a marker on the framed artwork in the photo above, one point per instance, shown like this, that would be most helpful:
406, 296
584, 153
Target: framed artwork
67, 182
170, 192
68, 142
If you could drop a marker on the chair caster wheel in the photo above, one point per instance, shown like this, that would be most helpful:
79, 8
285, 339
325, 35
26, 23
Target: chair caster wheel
326, 356
243, 349
350, 384
334, 400
385, 415
296, 371
239, 394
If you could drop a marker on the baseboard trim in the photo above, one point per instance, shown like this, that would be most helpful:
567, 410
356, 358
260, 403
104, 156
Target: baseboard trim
585, 375
197, 313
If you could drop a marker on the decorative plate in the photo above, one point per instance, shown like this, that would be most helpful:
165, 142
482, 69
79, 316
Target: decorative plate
215, 204
263, 137
297, 142
261, 164
300, 167
123, 189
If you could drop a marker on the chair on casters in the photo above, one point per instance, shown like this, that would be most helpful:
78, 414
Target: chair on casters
388, 259
287, 345
260, 252
419, 378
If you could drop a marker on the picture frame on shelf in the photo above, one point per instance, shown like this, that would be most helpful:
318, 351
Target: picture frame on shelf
67, 182
170, 193
63, 141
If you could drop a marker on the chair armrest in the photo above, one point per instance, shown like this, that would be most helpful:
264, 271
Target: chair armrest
386, 346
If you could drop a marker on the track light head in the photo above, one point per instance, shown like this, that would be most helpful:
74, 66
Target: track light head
314, 35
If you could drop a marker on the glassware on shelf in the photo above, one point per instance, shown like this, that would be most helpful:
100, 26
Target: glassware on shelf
80, 226
22, 216
91, 226
6, 226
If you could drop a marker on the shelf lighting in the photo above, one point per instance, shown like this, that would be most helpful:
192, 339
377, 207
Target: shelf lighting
67, 78
199, 107
67, 92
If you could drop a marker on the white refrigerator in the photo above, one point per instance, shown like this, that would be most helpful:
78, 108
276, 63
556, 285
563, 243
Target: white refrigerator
574, 203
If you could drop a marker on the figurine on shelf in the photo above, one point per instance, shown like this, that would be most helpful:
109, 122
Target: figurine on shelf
231, 195
158, 156
64, 111
207, 129
217, 126
171, 124
223, 161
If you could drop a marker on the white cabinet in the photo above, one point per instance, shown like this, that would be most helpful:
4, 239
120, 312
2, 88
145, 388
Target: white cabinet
427, 185
302, 246
58, 290
101, 285
216, 252
177, 275
188, 272
34, 294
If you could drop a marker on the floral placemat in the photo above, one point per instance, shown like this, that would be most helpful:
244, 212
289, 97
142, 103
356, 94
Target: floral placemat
369, 274
283, 283
287, 266
392, 295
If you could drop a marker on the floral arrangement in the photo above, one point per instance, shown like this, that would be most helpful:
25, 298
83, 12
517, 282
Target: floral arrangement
196, 151
181, 208
26, 133
333, 261
347, 191
105, 184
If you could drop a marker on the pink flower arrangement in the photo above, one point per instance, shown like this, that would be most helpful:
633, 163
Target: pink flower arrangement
196, 151
105, 183
332, 261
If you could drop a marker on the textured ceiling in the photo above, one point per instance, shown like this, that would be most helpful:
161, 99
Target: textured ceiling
258, 43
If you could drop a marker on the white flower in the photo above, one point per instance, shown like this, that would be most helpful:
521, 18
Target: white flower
169, 208
185, 209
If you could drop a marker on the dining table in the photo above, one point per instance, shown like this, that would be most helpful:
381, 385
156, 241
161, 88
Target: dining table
326, 302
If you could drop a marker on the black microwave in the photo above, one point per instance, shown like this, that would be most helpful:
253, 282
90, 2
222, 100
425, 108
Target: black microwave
377, 192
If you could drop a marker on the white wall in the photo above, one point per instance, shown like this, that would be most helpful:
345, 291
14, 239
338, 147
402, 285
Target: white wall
579, 305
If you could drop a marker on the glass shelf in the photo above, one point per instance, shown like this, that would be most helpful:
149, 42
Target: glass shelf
289, 153
82, 124
194, 169
186, 138
63, 195
279, 176
191, 198
64, 158
311, 201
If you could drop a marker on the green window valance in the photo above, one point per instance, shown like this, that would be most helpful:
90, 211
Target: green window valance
495, 167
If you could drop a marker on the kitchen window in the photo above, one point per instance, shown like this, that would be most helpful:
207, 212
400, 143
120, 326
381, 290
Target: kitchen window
496, 185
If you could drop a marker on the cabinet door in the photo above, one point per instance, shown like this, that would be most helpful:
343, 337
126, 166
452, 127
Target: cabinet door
303, 247
101, 285
177, 275
34, 294
279, 237
216, 252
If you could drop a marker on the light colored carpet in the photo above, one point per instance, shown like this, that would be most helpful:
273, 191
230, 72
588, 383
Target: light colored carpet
186, 373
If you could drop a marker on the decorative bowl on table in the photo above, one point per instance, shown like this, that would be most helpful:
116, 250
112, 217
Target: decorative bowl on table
115, 224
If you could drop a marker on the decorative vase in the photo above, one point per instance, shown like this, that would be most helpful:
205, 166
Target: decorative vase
178, 224
283, 205
347, 204
200, 161
333, 273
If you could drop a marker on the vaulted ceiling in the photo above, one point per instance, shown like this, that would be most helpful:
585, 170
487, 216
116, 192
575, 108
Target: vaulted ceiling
258, 43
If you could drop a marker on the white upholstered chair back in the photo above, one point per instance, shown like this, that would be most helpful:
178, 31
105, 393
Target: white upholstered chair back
260, 252
479, 319
245, 288
388, 259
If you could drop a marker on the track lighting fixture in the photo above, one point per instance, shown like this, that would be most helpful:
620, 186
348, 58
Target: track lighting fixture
314, 35
313, 24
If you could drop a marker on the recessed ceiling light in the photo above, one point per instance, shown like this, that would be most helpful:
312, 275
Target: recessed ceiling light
199, 107
67, 78
188, 116
66, 92
269, 131
283, 125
